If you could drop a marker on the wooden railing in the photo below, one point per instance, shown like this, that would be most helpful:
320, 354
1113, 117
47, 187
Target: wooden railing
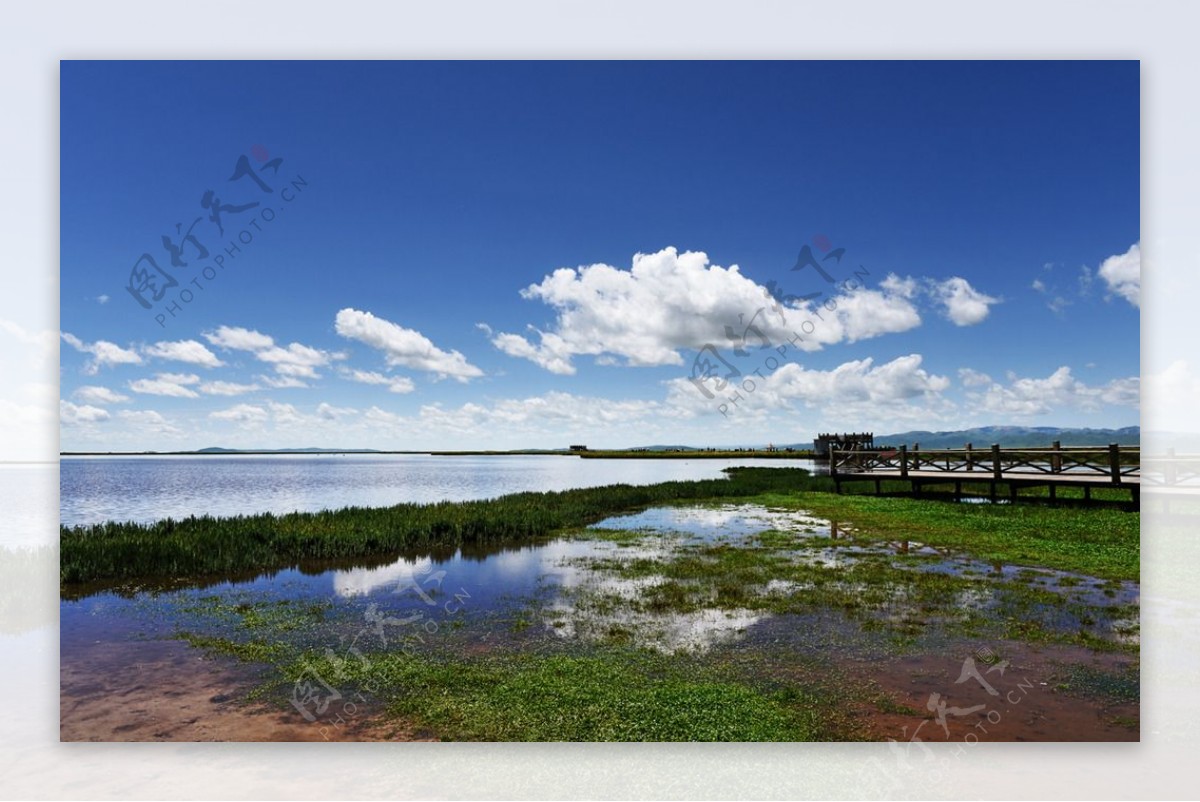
1114, 462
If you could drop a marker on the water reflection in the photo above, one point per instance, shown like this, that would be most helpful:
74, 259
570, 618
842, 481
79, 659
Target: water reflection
145, 489
573, 589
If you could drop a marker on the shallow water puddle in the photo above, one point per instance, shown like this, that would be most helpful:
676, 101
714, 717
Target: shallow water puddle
1070, 602
615, 584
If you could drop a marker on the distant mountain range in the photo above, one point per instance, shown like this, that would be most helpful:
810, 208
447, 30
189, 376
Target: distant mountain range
982, 436
1016, 437
1007, 436
219, 450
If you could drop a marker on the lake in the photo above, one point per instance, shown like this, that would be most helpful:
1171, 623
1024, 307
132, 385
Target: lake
144, 489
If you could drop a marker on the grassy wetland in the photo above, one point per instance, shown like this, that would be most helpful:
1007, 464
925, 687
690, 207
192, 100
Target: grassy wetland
758, 607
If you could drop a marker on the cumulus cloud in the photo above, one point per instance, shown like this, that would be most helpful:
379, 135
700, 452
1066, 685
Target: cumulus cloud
149, 420
226, 388
168, 384
104, 354
99, 395
556, 410
853, 386
240, 413
1123, 274
71, 414
292, 362
668, 302
284, 414
282, 382
973, 378
963, 304
403, 347
395, 384
1024, 396
189, 351
329, 412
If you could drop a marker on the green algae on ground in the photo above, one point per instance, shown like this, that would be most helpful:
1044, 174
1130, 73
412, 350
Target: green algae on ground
617, 695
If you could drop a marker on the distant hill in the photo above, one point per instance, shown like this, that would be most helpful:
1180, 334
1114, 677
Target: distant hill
220, 450
1015, 437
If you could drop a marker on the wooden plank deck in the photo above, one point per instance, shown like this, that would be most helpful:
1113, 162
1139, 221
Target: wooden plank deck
1089, 467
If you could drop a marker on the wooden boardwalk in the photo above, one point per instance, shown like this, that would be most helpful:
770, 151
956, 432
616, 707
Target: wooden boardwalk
1088, 467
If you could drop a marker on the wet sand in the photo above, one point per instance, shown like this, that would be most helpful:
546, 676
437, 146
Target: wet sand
169, 691
1027, 706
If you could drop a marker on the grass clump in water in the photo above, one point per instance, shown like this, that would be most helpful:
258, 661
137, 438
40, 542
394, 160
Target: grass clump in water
204, 545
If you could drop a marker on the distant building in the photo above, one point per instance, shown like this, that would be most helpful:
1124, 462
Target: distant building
579, 448
842, 442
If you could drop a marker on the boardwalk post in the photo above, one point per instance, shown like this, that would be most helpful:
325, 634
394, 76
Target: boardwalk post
996, 472
904, 461
916, 456
1114, 462
833, 471
1056, 458
970, 458
1170, 473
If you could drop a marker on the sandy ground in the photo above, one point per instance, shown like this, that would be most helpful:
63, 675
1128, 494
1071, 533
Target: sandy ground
172, 692
1026, 707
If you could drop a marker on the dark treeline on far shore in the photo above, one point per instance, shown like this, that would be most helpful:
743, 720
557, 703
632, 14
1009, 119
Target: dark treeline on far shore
628, 453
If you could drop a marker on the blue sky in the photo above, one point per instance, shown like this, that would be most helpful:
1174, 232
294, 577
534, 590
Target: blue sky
405, 293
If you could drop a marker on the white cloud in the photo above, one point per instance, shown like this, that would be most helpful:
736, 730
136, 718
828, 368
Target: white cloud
149, 420
1085, 281
71, 414
973, 378
99, 395
240, 413
552, 353
296, 360
284, 414
292, 362
1038, 285
1038, 396
102, 299
404, 347
168, 384
906, 287
856, 382
395, 384
329, 412
282, 382
964, 305
226, 388
668, 302
555, 410
184, 351
1123, 274
104, 353
239, 339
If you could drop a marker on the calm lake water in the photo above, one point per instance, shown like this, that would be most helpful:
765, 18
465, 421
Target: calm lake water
98, 489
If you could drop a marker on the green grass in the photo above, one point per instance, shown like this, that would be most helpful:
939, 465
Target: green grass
243, 651
621, 695
204, 545
1101, 542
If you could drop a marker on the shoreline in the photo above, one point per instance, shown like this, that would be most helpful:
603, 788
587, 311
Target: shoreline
743, 453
